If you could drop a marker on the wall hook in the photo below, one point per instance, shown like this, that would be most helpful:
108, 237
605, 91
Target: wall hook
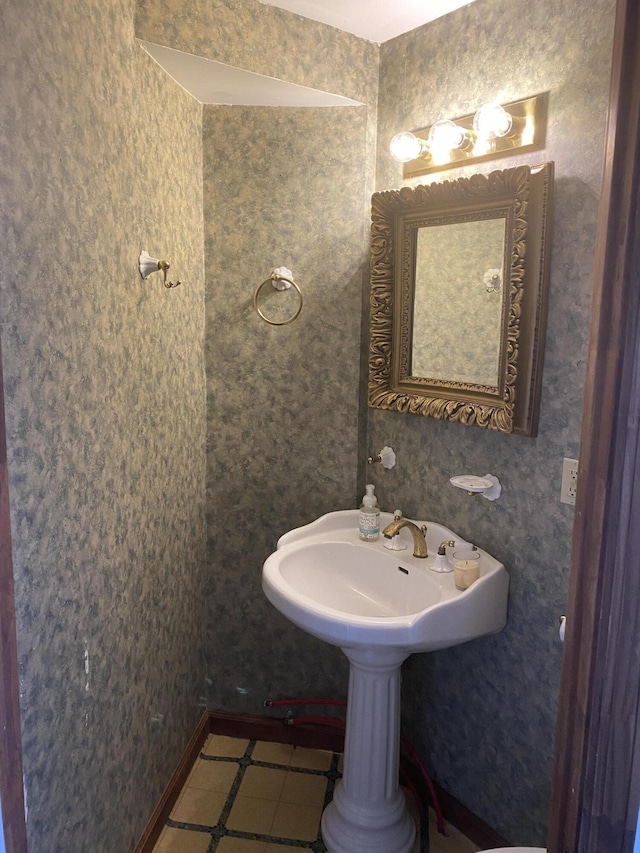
148, 265
493, 280
386, 456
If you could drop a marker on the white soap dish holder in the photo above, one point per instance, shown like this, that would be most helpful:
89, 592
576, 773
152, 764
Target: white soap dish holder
488, 486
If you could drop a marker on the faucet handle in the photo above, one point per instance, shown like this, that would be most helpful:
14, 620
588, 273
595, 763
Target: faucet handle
397, 514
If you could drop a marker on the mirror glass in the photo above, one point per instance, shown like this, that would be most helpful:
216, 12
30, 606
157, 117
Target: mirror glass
459, 274
458, 301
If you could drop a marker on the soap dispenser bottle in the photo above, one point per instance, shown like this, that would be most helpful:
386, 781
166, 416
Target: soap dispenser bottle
369, 518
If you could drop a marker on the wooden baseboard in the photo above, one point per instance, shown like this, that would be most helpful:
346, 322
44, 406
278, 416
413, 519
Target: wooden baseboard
469, 824
172, 791
313, 736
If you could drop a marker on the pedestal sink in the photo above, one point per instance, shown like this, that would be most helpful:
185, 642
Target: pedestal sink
379, 606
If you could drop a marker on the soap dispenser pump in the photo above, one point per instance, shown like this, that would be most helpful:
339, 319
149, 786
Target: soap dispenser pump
369, 516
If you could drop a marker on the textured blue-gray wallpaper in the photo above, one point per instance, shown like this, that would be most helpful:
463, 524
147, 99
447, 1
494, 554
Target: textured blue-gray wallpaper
484, 713
160, 441
105, 405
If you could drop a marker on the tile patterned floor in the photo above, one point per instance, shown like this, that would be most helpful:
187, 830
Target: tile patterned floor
247, 796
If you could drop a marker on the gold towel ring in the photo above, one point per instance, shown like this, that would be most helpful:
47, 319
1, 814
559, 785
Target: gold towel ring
275, 277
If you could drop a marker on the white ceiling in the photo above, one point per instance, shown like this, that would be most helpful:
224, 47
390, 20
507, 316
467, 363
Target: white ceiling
374, 20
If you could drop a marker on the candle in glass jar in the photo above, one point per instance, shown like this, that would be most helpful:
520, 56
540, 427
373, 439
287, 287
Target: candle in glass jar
466, 568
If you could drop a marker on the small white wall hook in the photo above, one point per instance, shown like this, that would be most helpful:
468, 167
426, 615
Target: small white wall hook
488, 486
148, 265
386, 456
563, 626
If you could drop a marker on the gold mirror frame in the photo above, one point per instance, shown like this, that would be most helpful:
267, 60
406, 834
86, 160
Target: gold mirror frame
523, 196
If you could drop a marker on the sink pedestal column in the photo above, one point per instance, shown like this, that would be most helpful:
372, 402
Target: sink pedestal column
368, 813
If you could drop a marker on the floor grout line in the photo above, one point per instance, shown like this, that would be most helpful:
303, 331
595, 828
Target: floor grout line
220, 831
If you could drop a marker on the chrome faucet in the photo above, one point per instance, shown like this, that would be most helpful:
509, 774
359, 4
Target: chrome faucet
419, 534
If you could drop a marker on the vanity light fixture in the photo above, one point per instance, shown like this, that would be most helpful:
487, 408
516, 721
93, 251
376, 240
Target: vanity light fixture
493, 131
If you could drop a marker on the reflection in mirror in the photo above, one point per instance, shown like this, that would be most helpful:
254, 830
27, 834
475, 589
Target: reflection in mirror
458, 301
459, 274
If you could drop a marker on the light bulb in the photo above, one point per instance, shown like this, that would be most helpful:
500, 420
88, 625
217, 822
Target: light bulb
445, 135
406, 146
491, 121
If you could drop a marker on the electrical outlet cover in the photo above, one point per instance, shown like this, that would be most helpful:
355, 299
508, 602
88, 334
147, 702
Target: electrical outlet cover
569, 481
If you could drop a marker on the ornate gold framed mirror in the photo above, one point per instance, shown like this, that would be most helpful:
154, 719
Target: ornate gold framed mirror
459, 279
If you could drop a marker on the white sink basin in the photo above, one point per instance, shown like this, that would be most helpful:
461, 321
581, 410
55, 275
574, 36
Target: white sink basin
379, 606
358, 594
